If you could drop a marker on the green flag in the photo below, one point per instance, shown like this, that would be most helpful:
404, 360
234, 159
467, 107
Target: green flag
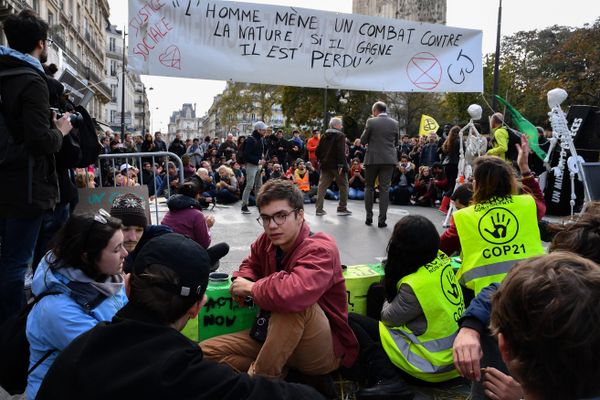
526, 127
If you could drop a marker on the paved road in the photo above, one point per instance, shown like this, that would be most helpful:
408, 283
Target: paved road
357, 242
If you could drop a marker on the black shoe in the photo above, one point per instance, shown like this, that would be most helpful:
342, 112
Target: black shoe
245, 209
369, 221
381, 224
394, 388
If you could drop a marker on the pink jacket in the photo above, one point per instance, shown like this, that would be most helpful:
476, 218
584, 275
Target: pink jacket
312, 273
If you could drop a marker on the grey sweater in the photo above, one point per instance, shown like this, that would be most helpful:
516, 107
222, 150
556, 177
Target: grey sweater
405, 309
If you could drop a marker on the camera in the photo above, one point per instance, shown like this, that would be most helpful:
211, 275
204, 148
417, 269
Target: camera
75, 117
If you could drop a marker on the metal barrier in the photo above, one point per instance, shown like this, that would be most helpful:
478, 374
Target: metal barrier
153, 155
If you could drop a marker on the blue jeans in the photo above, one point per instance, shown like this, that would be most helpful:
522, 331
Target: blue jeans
19, 236
356, 194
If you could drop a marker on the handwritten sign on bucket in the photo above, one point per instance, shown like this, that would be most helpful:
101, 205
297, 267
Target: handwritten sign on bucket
280, 45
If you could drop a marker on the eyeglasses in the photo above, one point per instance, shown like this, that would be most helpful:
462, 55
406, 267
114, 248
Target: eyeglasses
279, 217
49, 41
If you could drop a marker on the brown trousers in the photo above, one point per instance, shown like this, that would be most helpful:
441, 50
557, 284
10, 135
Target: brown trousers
300, 340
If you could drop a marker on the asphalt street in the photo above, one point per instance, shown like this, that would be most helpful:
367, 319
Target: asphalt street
357, 242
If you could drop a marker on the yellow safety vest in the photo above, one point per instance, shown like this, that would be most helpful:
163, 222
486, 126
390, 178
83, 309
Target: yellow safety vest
494, 235
428, 356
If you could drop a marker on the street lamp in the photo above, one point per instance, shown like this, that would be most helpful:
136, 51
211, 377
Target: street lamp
123, 89
144, 111
153, 116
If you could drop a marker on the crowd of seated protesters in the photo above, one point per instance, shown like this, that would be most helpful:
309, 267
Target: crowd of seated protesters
496, 205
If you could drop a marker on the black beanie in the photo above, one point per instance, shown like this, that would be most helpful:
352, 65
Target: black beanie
130, 209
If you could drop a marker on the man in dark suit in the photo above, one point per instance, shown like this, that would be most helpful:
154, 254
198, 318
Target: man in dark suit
381, 138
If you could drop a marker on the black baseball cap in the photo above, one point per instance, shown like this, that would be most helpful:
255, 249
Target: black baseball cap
190, 261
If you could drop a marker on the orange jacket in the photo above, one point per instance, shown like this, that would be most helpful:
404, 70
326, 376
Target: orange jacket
311, 146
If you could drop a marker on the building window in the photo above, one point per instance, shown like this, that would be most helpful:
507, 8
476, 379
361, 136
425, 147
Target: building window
50, 19
112, 44
36, 6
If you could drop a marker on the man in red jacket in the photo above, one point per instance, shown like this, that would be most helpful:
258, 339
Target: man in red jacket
297, 277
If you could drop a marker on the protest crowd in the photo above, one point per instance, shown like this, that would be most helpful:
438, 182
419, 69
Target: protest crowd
110, 291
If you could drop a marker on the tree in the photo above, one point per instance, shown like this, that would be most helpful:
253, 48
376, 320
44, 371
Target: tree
239, 100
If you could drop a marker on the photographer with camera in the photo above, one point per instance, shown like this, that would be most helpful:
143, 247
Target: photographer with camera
29, 137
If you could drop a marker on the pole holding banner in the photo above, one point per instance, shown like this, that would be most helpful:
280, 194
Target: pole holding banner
260, 43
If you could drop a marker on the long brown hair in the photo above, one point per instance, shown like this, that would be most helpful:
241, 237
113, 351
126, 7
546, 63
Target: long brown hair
493, 178
448, 146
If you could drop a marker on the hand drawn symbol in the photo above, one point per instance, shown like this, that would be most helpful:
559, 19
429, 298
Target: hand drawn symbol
461, 73
498, 226
171, 57
450, 286
424, 71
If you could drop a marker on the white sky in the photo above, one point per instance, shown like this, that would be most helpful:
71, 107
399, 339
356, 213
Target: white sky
517, 15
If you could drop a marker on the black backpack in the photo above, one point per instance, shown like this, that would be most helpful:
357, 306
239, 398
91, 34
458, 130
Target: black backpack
10, 150
88, 139
14, 350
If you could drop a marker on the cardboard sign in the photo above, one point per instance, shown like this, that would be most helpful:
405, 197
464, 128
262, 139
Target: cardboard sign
92, 199
280, 45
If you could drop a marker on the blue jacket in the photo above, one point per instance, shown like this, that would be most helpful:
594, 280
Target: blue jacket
477, 315
253, 148
58, 319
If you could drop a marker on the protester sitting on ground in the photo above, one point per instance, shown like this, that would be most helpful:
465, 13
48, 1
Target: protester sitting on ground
188, 168
301, 179
228, 191
276, 172
422, 181
547, 321
206, 186
170, 181
131, 210
313, 175
356, 181
474, 347
142, 350
500, 226
151, 178
296, 276
185, 217
417, 310
403, 179
127, 176
84, 267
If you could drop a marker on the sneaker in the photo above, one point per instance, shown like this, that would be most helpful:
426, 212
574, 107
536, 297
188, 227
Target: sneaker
245, 209
343, 211
320, 213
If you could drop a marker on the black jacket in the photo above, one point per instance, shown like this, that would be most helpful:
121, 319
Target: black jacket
331, 151
26, 109
253, 148
134, 357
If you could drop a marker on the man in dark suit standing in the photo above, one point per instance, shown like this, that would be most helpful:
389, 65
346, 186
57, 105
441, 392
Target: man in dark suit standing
381, 138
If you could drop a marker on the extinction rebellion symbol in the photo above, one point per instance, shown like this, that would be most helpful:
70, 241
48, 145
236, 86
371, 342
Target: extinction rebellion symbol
424, 71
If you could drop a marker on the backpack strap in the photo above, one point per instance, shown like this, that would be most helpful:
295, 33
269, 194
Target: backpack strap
40, 361
49, 352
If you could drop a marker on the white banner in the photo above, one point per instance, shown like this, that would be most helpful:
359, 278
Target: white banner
261, 43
